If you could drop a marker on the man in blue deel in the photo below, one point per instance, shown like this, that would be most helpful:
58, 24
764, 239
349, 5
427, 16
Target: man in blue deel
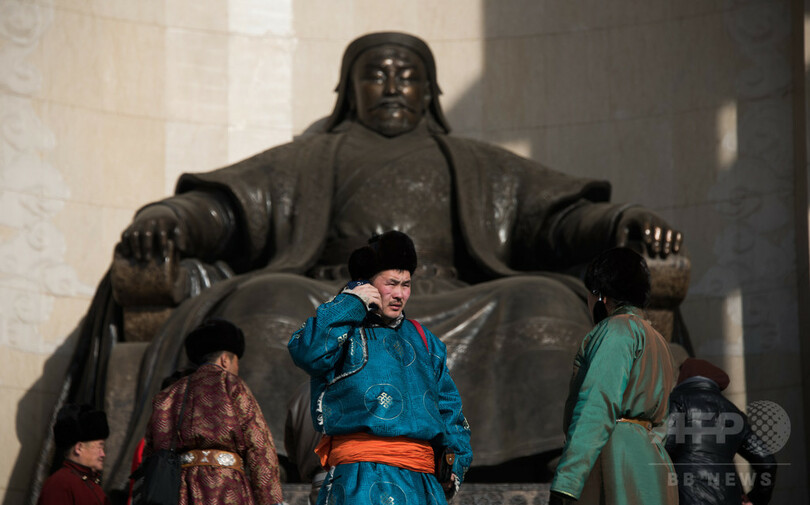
381, 392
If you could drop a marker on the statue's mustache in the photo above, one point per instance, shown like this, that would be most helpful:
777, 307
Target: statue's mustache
387, 102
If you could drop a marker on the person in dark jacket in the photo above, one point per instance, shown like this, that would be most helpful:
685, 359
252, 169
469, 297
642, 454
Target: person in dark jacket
705, 432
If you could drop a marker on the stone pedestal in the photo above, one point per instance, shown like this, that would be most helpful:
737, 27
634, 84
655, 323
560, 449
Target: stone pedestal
470, 494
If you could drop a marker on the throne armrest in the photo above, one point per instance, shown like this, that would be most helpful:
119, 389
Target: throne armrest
669, 284
147, 293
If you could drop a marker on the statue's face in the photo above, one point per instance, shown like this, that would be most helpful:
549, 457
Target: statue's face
390, 89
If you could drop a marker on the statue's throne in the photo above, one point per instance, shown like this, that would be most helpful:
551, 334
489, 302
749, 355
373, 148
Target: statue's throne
148, 292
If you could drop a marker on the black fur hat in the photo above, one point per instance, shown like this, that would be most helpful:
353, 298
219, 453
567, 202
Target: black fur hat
622, 274
79, 423
393, 250
214, 335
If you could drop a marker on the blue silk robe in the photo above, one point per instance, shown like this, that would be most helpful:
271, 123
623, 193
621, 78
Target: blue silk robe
370, 378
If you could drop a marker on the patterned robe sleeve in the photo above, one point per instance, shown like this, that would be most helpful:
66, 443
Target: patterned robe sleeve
607, 359
317, 347
261, 458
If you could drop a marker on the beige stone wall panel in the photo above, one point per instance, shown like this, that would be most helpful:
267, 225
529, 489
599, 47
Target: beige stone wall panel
530, 142
529, 18
192, 147
513, 92
259, 75
261, 17
372, 16
105, 225
103, 64
244, 143
639, 85
208, 15
572, 148
316, 69
706, 63
460, 66
142, 11
576, 72
197, 76
316, 19
703, 145
459, 20
98, 153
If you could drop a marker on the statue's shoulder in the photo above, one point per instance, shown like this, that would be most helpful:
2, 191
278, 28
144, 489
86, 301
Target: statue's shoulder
467, 152
310, 154
461, 146
314, 147
303, 143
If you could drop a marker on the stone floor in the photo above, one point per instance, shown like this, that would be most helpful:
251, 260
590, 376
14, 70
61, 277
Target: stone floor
470, 494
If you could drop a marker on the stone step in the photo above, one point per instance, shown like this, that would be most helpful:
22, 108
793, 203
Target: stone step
470, 494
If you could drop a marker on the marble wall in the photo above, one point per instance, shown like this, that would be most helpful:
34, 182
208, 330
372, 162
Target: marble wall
685, 106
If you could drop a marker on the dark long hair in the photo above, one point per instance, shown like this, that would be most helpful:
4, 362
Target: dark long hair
621, 274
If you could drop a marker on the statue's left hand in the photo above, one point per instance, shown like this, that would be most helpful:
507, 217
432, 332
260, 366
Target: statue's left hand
657, 237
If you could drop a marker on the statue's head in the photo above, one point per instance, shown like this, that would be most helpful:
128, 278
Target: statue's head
388, 84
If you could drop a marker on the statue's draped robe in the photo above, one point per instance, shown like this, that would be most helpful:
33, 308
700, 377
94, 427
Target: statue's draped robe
482, 222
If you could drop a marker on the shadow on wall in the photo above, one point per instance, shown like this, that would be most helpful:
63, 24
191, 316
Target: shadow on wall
37, 404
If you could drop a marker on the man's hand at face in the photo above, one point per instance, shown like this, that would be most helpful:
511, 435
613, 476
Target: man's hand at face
658, 238
156, 232
369, 294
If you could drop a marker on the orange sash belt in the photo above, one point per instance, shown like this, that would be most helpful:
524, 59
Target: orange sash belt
402, 452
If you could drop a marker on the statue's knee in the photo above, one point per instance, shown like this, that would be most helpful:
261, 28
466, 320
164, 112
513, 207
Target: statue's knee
285, 295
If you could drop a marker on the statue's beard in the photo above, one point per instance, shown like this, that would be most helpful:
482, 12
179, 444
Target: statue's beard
392, 121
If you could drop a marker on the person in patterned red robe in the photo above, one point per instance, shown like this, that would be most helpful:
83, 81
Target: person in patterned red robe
226, 447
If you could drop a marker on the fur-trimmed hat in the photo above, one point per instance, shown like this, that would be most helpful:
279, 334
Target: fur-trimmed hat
214, 335
393, 250
79, 423
622, 274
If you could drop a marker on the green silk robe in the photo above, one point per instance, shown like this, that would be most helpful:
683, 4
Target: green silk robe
623, 370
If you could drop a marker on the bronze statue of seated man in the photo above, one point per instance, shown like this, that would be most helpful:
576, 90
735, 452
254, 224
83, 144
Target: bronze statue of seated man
265, 241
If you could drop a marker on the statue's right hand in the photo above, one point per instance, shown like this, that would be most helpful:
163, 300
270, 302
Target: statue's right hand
155, 232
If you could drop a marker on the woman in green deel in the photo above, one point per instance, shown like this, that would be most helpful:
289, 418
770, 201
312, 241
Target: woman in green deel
618, 395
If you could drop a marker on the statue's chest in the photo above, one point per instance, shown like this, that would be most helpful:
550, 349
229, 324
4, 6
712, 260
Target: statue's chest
395, 189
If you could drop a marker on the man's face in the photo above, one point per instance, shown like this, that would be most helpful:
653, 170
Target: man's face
395, 289
390, 89
231, 362
90, 454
